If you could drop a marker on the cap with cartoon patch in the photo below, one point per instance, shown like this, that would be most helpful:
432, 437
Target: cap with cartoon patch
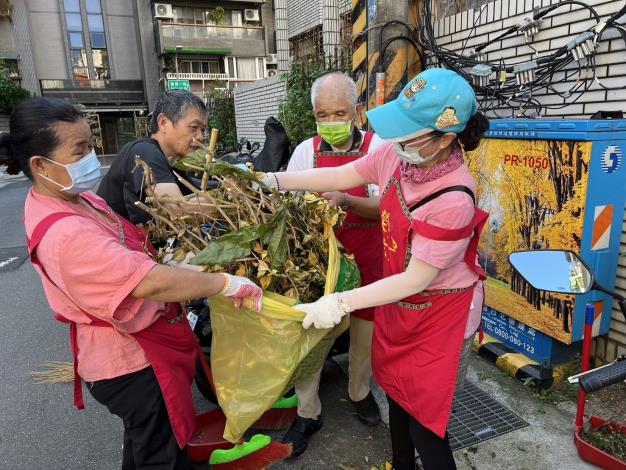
436, 99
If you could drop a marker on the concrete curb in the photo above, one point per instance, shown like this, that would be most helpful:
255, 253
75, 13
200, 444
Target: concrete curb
515, 364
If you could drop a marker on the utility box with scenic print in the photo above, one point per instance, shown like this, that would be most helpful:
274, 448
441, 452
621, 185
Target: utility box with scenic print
549, 184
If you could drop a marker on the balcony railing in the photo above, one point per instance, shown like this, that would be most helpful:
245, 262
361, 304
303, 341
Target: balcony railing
190, 31
109, 85
197, 76
95, 91
212, 39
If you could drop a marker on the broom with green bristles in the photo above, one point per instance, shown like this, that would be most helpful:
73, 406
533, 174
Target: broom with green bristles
207, 443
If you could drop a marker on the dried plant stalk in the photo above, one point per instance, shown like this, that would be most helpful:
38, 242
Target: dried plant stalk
54, 372
276, 240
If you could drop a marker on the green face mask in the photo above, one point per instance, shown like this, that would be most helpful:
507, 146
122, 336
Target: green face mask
335, 133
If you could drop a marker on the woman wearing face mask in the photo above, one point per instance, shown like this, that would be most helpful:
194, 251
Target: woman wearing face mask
131, 343
430, 229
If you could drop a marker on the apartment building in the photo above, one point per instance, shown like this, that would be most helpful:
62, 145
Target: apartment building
114, 57
203, 45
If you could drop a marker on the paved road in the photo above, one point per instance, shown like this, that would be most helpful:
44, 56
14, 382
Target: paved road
40, 429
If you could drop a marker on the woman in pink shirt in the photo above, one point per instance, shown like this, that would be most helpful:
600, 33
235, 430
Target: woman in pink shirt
131, 343
431, 228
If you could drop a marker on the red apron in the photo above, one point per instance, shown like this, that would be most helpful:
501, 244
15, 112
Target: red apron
168, 343
417, 342
360, 236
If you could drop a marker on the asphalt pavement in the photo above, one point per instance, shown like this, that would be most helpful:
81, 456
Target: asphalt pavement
40, 428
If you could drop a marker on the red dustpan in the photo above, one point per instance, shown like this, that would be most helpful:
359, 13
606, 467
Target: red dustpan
208, 443
586, 451
208, 436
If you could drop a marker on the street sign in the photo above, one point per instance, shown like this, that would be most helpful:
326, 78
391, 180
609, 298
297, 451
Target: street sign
178, 85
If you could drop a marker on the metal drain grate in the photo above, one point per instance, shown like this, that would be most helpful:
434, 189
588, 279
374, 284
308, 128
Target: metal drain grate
477, 417
12, 258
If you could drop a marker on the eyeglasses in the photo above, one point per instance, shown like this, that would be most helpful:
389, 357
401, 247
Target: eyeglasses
421, 140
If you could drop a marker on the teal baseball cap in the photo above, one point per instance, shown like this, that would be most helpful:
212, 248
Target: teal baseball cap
435, 100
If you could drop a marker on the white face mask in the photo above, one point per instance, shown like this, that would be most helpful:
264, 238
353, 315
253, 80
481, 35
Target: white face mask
412, 155
85, 174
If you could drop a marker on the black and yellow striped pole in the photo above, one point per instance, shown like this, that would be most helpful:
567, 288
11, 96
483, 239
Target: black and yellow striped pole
360, 54
379, 82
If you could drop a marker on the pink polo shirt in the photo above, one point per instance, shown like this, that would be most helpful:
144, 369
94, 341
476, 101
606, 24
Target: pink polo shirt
451, 210
94, 273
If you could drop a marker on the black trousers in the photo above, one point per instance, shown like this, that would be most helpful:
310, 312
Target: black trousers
149, 440
408, 435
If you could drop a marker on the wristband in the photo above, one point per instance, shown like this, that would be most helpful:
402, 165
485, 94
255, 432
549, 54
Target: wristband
345, 206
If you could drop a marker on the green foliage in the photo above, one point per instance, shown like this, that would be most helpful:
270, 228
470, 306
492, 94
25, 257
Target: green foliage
216, 15
221, 107
609, 439
196, 159
239, 244
295, 111
10, 92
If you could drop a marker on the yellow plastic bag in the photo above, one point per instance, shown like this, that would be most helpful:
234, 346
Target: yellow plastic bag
256, 357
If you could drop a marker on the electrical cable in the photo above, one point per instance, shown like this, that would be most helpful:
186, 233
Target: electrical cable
575, 59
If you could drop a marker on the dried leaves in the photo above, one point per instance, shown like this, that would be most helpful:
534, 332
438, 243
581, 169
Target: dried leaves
277, 240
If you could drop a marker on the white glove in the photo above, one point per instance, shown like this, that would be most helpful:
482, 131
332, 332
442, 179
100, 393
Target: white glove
243, 292
271, 181
325, 313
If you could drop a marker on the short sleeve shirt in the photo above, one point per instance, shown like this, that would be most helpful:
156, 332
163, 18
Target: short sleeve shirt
124, 183
91, 271
452, 210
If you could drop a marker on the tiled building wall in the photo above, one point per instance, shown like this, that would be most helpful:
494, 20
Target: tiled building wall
254, 103
558, 28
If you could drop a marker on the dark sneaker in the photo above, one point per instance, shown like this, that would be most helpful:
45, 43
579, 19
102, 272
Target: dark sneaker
300, 432
367, 410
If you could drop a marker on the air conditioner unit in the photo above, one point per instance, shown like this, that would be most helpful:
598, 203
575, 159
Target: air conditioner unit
251, 15
271, 72
271, 59
163, 10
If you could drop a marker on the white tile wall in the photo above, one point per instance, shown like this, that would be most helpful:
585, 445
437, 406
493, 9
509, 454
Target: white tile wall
254, 103
557, 29
303, 15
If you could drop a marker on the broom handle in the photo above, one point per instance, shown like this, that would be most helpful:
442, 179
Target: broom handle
209, 156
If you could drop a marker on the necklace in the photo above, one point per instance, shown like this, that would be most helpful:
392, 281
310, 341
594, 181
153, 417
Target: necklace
120, 228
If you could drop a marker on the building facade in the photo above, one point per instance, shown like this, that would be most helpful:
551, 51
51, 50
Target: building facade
315, 30
114, 57
213, 44
84, 51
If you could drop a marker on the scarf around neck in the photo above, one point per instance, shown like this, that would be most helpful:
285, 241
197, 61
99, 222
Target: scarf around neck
420, 174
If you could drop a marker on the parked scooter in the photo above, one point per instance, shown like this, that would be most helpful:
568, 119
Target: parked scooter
244, 152
565, 273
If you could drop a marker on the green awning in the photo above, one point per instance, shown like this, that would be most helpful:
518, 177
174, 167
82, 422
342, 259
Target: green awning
186, 50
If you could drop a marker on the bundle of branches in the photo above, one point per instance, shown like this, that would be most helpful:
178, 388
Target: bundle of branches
280, 241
